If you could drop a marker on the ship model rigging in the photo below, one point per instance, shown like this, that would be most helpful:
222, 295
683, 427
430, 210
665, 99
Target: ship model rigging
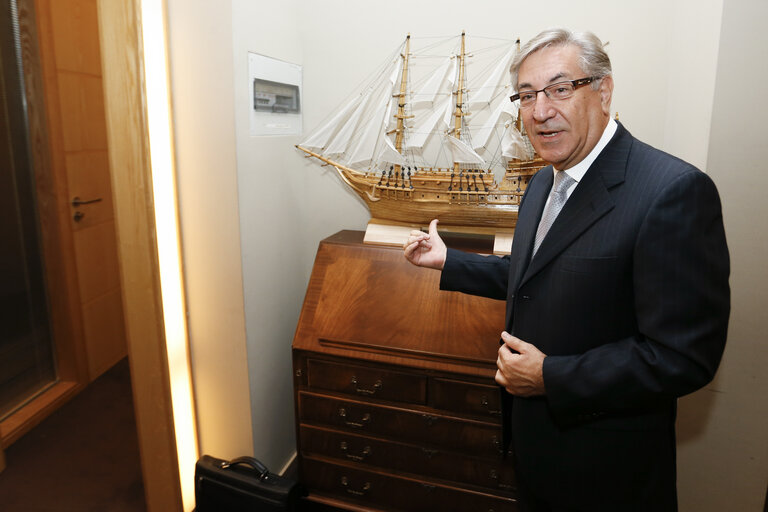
433, 135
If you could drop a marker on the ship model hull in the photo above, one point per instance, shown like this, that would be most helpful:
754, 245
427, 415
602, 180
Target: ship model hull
463, 197
449, 214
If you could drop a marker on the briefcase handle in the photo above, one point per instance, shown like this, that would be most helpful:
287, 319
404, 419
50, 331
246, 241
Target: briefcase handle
254, 463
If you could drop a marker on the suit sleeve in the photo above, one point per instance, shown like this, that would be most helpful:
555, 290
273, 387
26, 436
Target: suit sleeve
682, 304
486, 276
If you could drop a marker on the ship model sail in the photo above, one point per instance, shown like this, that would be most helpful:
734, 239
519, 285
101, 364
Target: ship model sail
433, 135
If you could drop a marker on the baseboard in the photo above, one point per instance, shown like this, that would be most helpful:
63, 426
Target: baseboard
36, 410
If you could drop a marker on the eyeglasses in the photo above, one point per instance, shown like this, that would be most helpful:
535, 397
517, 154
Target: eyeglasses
558, 91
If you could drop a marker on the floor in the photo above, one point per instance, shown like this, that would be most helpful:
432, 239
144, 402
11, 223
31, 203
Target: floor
82, 458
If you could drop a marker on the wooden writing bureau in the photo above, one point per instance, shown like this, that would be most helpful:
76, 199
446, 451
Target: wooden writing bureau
396, 406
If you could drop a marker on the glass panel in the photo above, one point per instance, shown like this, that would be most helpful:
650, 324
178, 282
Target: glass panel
26, 351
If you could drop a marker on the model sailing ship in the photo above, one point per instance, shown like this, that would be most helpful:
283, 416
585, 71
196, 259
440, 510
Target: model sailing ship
428, 138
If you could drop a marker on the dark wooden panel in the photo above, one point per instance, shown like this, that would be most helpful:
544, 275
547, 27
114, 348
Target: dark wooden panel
367, 381
431, 430
493, 474
390, 492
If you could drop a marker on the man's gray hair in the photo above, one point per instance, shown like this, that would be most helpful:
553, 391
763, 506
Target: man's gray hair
594, 61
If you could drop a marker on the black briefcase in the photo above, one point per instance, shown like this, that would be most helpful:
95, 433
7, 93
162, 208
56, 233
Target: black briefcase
242, 484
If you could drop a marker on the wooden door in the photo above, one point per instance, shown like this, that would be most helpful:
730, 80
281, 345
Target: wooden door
70, 58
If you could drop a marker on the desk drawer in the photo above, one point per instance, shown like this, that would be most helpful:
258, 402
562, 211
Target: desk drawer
384, 490
465, 397
477, 438
494, 474
367, 381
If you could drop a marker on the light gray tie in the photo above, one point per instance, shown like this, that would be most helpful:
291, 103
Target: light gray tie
557, 198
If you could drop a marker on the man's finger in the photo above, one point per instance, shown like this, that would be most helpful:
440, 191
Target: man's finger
513, 343
410, 248
504, 353
433, 227
416, 236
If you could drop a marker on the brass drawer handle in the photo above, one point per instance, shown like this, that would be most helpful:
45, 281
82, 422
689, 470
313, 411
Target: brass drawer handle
365, 453
366, 487
429, 453
429, 419
355, 424
362, 391
484, 403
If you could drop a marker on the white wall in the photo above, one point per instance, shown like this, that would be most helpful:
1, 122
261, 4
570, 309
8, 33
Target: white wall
202, 76
723, 429
272, 206
274, 255
692, 41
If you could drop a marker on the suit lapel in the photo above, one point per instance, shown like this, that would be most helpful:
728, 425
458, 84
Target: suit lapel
527, 224
589, 201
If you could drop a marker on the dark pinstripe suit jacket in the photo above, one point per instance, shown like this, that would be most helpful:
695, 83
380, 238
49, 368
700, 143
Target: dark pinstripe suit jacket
628, 296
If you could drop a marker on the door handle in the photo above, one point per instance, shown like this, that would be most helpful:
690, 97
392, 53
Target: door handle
76, 201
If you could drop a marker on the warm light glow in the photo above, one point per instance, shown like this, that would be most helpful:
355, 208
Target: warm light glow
168, 246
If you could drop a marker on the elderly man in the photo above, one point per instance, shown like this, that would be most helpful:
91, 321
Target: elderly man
616, 287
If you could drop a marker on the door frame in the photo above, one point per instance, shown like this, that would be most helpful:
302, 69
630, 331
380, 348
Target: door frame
128, 141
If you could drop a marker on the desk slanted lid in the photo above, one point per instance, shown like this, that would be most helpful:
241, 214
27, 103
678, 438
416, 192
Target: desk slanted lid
369, 302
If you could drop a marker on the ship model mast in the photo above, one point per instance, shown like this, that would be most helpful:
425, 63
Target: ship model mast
458, 114
401, 98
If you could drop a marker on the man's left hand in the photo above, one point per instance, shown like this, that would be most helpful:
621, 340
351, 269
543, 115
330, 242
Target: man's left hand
520, 367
